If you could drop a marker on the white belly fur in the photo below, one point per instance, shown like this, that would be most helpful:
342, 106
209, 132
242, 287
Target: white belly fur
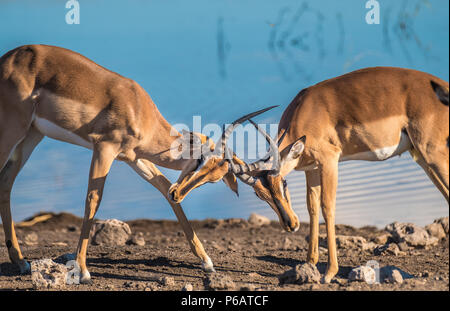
381, 153
54, 131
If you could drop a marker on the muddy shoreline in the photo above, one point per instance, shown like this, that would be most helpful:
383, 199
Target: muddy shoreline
253, 257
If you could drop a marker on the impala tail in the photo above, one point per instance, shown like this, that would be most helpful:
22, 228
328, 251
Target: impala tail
441, 92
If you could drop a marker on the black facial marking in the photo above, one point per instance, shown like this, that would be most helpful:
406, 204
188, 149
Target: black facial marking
8, 244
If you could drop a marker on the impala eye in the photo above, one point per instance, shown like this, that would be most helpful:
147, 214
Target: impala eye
284, 183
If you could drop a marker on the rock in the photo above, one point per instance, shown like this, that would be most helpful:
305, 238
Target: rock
363, 274
387, 274
444, 223
435, 229
31, 239
166, 281
258, 220
46, 274
411, 234
300, 274
137, 239
403, 246
387, 249
187, 288
394, 277
383, 238
111, 232
286, 243
219, 281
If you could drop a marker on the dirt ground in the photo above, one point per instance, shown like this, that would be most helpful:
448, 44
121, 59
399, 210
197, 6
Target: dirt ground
252, 256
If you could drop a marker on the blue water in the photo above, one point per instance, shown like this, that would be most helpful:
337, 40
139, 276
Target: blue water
221, 59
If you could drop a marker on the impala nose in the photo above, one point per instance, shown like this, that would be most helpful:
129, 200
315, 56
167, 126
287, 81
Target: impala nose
290, 222
294, 225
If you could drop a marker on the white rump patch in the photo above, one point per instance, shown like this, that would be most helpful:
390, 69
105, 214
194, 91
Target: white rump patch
54, 131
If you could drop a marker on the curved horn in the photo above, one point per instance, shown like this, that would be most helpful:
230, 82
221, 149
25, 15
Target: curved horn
273, 147
226, 134
258, 165
280, 140
247, 179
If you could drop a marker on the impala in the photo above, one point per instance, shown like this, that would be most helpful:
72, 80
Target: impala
371, 114
54, 92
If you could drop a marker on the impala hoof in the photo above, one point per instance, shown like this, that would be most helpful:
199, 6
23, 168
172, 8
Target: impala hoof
24, 267
327, 278
208, 266
85, 278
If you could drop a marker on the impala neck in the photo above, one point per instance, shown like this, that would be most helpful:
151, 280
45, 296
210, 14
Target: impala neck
158, 145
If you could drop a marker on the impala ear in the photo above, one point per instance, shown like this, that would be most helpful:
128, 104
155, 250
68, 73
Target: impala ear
441, 92
230, 180
297, 148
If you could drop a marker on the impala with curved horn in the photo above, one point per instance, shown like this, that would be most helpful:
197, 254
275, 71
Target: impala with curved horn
371, 114
55, 92
263, 175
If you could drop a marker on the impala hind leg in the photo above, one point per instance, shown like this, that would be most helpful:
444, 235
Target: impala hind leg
7, 177
150, 173
313, 203
102, 159
329, 179
436, 170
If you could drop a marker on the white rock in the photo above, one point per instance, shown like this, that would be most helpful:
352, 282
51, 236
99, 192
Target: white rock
435, 229
395, 277
387, 249
111, 232
137, 239
363, 274
444, 223
300, 274
258, 220
412, 234
46, 274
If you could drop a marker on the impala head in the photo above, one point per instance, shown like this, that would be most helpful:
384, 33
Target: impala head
264, 176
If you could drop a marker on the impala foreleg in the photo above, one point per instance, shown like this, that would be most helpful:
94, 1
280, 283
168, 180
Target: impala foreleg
150, 173
313, 203
102, 159
329, 180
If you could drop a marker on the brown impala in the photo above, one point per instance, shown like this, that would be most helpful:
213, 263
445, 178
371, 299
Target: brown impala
371, 114
54, 92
